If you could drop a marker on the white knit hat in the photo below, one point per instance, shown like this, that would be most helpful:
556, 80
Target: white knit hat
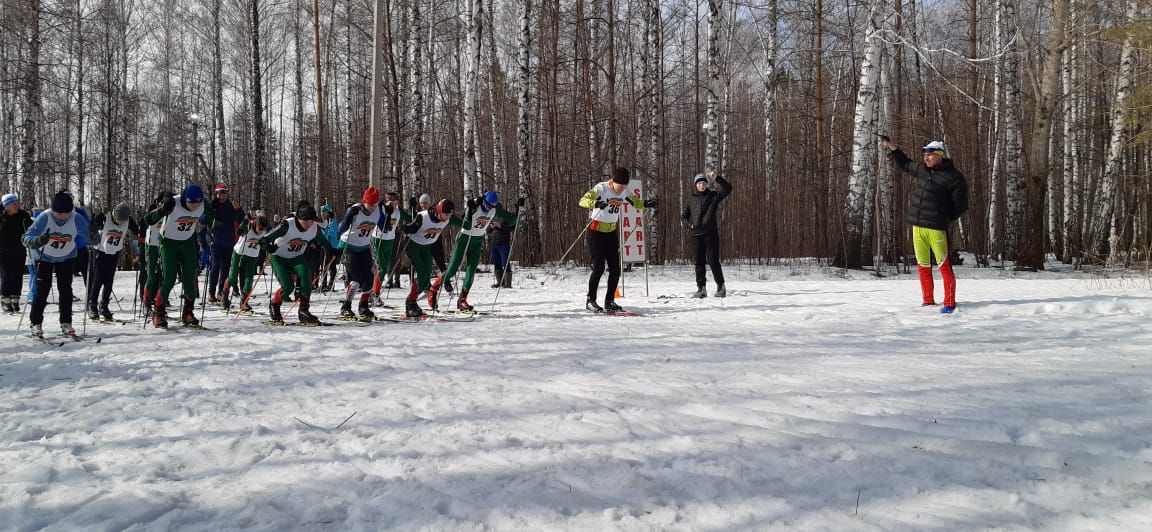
10, 199
934, 146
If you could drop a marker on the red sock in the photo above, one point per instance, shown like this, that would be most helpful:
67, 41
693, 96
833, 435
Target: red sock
276, 297
926, 285
949, 283
412, 292
376, 285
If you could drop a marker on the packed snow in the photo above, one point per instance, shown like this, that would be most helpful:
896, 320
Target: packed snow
810, 399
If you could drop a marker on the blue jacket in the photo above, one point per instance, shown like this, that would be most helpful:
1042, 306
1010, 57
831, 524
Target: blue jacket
226, 220
333, 234
40, 226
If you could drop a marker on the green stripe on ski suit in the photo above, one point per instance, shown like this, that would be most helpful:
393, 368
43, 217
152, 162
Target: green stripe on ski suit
472, 246
243, 270
178, 258
928, 242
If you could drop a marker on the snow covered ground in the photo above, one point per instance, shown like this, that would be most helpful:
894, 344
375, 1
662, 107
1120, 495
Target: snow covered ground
809, 399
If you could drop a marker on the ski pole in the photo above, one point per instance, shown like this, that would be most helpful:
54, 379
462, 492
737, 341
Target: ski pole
565, 255
247, 296
24, 308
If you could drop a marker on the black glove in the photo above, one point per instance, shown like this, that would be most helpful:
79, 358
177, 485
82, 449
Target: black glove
472, 203
601, 204
388, 210
41, 240
269, 247
521, 201
168, 205
413, 204
651, 204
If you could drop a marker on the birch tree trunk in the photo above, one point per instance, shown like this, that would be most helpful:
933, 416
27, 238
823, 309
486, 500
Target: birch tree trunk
523, 146
30, 171
415, 184
1014, 182
863, 173
499, 167
258, 133
1106, 198
475, 19
219, 164
712, 149
1072, 139
771, 83
320, 182
655, 121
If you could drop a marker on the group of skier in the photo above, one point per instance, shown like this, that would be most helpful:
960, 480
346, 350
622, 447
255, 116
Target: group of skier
304, 248
176, 227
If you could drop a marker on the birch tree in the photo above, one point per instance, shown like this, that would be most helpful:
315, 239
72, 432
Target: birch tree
712, 149
864, 142
475, 29
1106, 197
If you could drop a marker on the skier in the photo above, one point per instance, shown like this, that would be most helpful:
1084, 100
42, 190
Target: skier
940, 196
245, 254
469, 245
436, 250
227, 216
109, 232
384, 241
13, 223
500, 243
700, 216
604, 202
152, 274
182, 216
423, 234
53, 237
286, 245
333, 254
356, 229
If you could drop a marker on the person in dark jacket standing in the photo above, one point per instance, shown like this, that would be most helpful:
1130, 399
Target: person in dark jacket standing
13, 223
700, 217
939, 197
224, 227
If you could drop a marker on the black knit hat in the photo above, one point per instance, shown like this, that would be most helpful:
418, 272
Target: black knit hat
306, 212
62, 202
621, 176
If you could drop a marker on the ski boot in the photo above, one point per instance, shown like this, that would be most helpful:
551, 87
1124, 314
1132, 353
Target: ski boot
106, 313
412, 309
188, 314
226, 302
611, 306
591, 305
274, 313
720, 291
701, 293
499, 278
365, 309
346, 310
67, 330
448, 286
245, 308
303, 314
93, 314
462, 304
160, 316
434, 292
37, 330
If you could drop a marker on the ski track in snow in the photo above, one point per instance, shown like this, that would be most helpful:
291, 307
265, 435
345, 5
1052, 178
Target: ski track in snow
777, 408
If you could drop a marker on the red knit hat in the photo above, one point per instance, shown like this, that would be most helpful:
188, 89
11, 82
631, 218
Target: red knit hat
221, 187
371, 196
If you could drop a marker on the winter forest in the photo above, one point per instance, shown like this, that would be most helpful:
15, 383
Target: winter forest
1043, 105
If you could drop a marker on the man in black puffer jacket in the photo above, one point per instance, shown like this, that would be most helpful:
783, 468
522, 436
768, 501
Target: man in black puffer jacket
940, 196
14, 221
700, 216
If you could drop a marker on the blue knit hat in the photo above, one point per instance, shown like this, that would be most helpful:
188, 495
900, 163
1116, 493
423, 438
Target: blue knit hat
193, 194
491, 198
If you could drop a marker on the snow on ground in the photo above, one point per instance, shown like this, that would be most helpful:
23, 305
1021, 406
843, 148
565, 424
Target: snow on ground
809, 399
